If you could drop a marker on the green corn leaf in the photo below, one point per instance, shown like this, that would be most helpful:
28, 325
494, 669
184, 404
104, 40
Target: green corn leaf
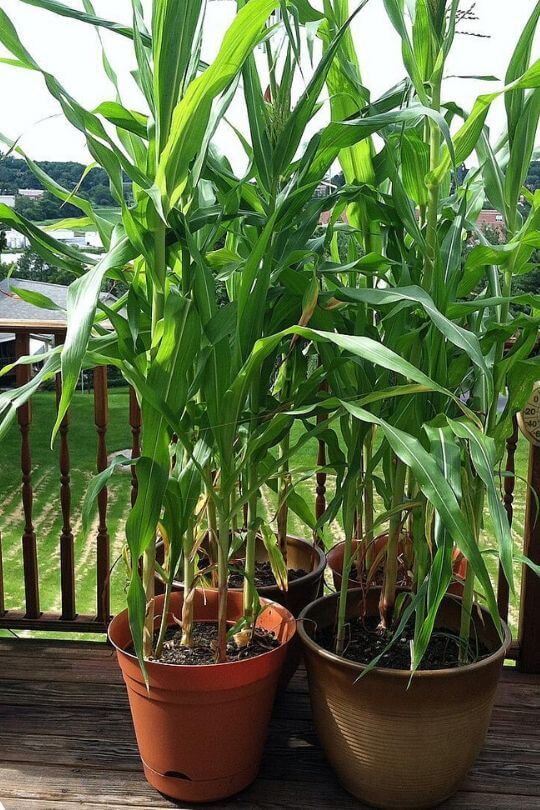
35, 298
10, 39
466, 139
275, 557
414, 167
103, 225
73, 223
129, 120
514, 100
439, 493
192, 113
484, 457
396, 13
296, 123
66, 11
53, 251
462, 338
340, 135
258, 121
81, 307
96, 484
176, 28
524, 141
142, 43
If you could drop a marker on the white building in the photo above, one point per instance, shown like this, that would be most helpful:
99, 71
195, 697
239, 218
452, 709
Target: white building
93, 239
7, 199
16, 241
67, 236
32, 193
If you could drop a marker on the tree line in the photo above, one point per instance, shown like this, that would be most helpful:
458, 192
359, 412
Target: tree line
15, 174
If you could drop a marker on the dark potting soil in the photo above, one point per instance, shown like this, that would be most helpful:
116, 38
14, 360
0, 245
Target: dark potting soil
377, 580
264, 576
204, 642
365, 641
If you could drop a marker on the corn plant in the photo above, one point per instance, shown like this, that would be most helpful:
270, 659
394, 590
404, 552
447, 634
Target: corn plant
197, 367
158, 325
229, 287
450, 318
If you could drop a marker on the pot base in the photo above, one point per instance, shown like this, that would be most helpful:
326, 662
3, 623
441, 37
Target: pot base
199, 791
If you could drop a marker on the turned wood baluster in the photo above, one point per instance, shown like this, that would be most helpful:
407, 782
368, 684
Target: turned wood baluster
135, 423
320, 491
320, 499
2, 601
503, 592
101, 416
24, 415
67, 555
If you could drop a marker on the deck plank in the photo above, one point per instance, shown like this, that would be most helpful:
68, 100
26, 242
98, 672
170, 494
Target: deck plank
66, 742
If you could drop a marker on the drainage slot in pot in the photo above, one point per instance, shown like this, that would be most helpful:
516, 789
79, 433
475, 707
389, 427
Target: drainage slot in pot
177, 775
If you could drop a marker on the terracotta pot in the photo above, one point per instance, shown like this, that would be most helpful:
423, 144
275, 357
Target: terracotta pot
302, 591
336, 553
335, 563
201, 729
391, 743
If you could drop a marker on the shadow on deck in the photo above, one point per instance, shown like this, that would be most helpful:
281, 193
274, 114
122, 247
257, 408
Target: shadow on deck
66, 741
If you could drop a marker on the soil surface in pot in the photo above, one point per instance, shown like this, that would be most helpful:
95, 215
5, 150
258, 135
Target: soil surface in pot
377, 580
365, 641
264, 576
204, 642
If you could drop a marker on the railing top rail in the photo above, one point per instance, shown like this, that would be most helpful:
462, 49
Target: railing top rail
35, 327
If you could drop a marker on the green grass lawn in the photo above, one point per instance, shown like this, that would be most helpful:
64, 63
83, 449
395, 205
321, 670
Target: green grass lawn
47, 511
111, 213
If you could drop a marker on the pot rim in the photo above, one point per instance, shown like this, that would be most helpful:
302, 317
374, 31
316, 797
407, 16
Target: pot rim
295, 583
457, 554
396, 673
286, 615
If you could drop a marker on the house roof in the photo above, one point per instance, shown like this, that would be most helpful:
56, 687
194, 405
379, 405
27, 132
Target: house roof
491, 218
14, 309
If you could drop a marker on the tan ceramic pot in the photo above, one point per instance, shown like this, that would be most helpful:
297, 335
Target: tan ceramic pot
395, 745
201, 729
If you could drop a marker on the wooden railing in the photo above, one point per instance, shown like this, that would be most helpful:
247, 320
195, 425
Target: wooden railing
68, 619
526, 650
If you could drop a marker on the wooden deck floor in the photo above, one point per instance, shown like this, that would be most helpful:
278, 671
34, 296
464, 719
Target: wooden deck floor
66, 742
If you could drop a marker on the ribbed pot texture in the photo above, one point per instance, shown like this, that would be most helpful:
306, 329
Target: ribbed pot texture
395, 745
201, 729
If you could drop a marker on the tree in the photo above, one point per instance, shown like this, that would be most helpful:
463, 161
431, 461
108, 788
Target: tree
32, 267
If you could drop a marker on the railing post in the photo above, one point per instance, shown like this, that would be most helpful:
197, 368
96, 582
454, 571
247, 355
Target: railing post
2, 601
24, 415
101, 418
135, 423
67, 555
320, 500
529, 620
320, 491
503, 591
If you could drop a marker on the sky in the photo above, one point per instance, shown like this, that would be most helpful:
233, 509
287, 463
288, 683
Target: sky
69, 50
